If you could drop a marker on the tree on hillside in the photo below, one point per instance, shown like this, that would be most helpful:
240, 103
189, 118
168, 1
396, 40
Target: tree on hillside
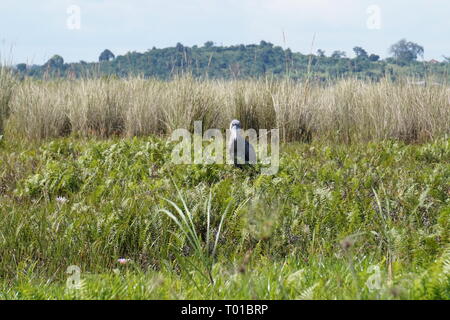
55, 62
360, 52
374, 57
106, 55
338, 54
447, 59
406, 51
179, 46
321, 53
265, 44
22, 67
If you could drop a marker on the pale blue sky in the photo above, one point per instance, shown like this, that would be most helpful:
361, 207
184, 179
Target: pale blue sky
33, 30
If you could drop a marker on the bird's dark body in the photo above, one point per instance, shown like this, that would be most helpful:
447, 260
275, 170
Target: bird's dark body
241, 151
247, 159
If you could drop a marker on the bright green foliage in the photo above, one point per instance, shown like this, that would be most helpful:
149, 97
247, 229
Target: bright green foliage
361, 221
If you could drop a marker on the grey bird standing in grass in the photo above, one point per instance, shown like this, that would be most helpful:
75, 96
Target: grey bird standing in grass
241, 151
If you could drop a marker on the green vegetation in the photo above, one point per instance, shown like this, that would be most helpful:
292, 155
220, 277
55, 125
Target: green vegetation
318, 229
247, 61
360, 208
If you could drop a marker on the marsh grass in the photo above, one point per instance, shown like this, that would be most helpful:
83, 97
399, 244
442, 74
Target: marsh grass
391, 199
345, 111
358, 197
7, 83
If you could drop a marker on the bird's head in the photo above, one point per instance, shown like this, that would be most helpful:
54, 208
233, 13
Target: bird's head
235, 124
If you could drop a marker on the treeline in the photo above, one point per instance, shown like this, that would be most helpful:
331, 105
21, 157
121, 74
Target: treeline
246, 61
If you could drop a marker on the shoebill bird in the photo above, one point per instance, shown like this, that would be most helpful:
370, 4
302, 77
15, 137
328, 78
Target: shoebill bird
241, 151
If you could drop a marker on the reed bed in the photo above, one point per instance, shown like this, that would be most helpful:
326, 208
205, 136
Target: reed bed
7, 83
345, 111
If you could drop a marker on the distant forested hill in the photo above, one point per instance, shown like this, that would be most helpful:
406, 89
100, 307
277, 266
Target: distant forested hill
245, 61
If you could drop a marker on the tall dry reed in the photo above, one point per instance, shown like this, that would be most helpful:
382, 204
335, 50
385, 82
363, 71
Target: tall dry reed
7, 83
344, 111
